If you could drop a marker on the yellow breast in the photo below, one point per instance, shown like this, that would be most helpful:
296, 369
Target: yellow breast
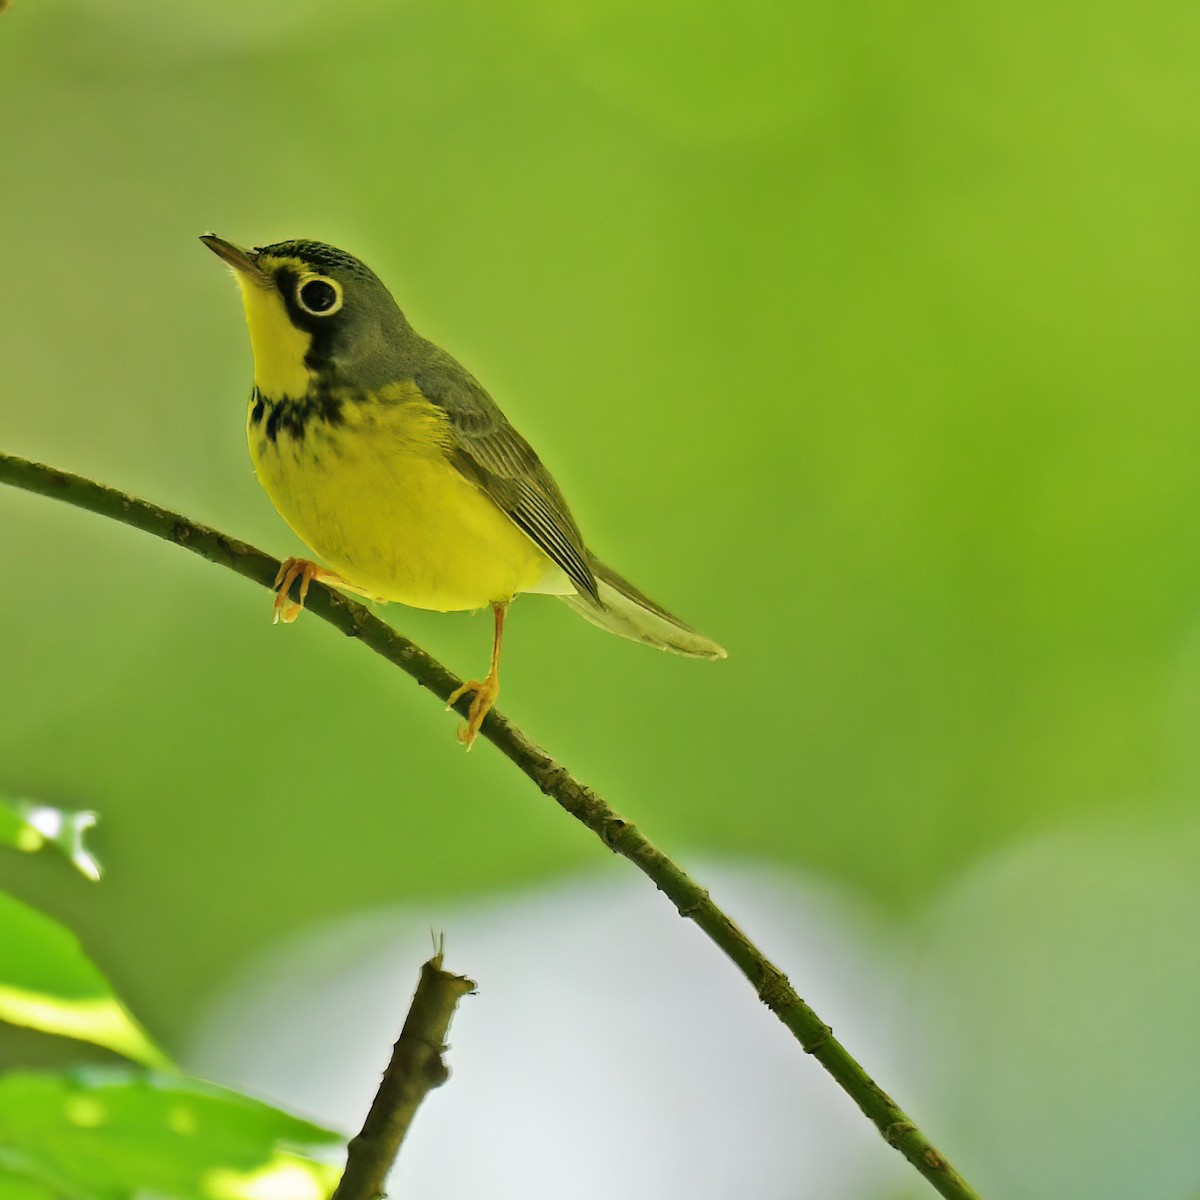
367, 484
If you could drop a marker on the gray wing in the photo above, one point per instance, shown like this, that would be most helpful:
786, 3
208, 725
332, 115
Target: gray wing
502, 464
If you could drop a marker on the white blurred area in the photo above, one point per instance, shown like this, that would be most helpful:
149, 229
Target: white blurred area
1060, 982
611, 1051
1038, 1019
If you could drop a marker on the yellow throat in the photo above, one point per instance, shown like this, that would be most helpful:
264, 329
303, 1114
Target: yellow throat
279, 346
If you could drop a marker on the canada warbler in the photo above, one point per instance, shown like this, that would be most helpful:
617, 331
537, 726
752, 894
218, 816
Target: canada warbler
394, 465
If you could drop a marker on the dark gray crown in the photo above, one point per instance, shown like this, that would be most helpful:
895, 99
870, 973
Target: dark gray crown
318, 255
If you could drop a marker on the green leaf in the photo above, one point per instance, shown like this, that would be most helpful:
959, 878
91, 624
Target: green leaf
111, 1134
48, 983
28, 826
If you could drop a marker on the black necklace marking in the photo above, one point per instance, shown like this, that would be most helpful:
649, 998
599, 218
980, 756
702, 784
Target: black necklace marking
295, 416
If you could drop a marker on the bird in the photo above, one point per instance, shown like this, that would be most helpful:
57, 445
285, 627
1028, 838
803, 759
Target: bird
394, 465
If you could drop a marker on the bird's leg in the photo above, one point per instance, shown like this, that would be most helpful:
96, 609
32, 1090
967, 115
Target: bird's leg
486, 690
292, 569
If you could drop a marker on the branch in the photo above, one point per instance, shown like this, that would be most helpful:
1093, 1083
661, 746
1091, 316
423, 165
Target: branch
692, 901
416, 1068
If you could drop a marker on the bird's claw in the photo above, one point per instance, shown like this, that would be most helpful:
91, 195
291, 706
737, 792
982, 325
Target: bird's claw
291, 569
486, 691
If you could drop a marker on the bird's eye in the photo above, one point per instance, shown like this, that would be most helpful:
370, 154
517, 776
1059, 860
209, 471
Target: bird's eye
319, 296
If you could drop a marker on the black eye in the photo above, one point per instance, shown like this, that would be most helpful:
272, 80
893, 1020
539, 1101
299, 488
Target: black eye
319, 296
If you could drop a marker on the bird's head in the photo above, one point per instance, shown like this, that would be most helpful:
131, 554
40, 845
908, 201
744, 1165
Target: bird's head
315, 314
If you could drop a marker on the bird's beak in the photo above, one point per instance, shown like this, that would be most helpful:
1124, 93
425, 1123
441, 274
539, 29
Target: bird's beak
235, 257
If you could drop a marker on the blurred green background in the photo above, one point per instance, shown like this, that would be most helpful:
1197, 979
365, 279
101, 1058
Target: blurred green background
862, 335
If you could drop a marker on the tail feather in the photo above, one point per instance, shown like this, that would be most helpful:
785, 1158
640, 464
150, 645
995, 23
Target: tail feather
626, 611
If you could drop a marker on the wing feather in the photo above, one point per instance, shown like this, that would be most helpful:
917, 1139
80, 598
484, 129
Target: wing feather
502, 464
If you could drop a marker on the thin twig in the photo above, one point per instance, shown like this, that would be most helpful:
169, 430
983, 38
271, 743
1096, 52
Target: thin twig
554, 780
415, 1069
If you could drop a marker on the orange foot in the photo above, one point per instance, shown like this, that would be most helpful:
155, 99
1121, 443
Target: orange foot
292, 569
486, 692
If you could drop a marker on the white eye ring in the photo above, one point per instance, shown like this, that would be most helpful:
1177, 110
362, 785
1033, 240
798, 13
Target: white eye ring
319, 296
